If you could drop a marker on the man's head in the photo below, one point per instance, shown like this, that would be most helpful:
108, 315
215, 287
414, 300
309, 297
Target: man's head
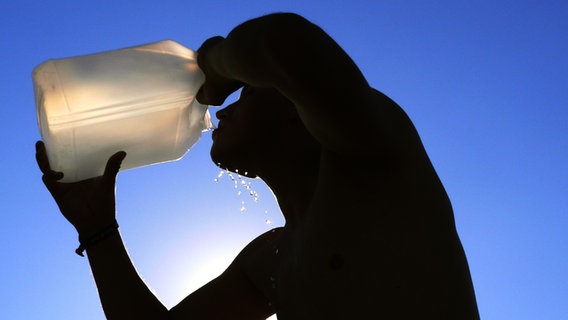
259, 130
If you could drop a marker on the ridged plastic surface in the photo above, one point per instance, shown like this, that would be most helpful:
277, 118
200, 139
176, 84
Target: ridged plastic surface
140, 100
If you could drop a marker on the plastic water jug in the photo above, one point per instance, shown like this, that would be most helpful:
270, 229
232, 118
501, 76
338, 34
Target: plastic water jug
140, 100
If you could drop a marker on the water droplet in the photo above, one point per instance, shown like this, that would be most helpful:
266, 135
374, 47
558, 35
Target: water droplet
219, 175
243, 209
239, 193
268, 221
234, 181
276, 251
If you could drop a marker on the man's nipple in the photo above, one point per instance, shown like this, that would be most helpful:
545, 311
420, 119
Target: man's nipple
336, 262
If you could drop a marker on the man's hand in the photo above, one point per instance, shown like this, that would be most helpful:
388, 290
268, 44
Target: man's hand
216, 87
89, 204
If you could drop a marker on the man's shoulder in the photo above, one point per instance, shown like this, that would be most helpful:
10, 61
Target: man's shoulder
257, 248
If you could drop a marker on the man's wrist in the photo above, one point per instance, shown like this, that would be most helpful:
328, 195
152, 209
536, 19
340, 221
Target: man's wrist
88, 242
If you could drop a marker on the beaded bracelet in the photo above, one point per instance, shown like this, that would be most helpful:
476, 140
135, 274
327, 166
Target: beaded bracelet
89, 242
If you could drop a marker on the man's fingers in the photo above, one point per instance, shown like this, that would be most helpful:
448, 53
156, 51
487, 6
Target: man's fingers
201, 97
113, 165
41, 157
213, 41
216, 88
43, 163
205, 96
214, 92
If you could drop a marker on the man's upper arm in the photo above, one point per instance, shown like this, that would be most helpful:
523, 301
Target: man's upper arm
287, 52
232, 295
329, 90
229, 296
333, 98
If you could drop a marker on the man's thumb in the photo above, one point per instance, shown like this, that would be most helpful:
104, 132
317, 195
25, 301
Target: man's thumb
113, 165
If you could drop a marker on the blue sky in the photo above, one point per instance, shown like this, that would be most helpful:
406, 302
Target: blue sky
485, 82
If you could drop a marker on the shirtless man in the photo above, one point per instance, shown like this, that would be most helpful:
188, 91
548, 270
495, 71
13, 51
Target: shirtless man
369, 230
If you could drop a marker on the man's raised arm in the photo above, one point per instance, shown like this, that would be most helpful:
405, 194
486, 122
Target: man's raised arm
289, 53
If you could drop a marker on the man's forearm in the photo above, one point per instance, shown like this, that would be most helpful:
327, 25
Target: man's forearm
276, 49
122, 292
247, 52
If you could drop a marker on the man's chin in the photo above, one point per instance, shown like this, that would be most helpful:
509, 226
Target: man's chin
220, 160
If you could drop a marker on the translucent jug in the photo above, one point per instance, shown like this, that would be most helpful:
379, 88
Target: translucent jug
139, 99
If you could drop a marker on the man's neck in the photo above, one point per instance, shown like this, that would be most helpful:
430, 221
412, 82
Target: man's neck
293, 185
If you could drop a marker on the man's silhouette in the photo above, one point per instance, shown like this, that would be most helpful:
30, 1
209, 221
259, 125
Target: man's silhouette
369, 230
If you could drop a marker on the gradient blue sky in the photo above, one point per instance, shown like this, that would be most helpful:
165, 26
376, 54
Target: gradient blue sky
485, 82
